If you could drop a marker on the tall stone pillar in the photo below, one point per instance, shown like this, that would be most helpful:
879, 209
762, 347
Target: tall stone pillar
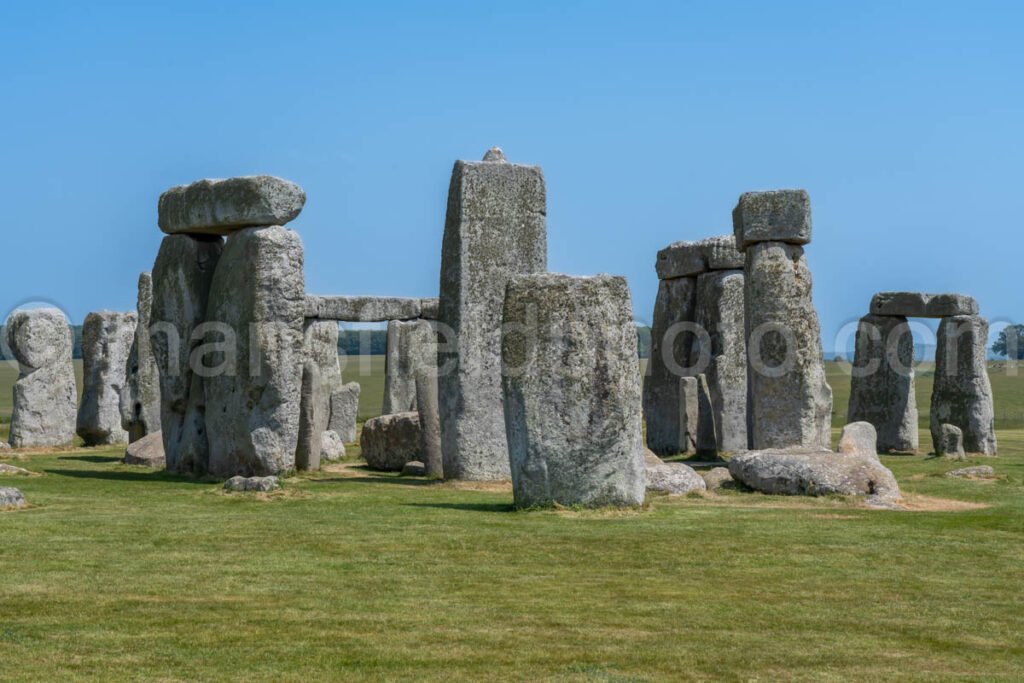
790, 400
882, 382
412, 345
495, 228
671, 426
140, 398
962, 394
106, 343
572, 392
182, 275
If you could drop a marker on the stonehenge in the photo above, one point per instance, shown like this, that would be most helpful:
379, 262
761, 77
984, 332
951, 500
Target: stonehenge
412, 347
140, 397
495, 228
369, 309
107, 339
698, 351
44, 410
882, 386
345, 411
571, 383
790, 402
390, 441
222, 206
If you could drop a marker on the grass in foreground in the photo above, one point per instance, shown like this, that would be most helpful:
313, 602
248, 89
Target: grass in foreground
119, 573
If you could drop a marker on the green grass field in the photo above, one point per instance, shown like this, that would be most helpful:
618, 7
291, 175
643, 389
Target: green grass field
119, 573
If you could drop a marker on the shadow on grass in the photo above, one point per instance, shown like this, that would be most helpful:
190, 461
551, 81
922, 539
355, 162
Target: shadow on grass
91, 458
401, 481
127, 476
467, 507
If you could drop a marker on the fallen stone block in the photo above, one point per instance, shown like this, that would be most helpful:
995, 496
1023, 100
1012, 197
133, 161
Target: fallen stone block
147, 451
390, 441
978, 472
256, 484
814, 473
11, 499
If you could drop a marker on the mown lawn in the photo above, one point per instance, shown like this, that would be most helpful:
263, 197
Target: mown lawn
117, 573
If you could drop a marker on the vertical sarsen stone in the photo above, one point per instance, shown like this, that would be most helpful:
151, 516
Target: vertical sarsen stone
495, 228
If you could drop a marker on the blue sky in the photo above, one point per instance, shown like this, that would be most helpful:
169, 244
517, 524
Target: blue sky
903, 120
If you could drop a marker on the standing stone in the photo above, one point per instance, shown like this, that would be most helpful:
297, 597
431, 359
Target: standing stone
140, 397
720, 311
707, 437
950, 443
345, 411
495, 228
665, 394
411, 345
106, 342
311, 420
182, 276
882, 382
430, 422
322, 377
858, 438
572, 392
790, 402
962, 394
252, 414
43, 412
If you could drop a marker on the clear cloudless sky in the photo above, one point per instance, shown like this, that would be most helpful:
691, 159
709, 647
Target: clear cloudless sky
903, 120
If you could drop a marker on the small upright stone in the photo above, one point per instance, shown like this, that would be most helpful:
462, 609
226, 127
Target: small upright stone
774, 216
140, 397
44, 408
859, 438
106, 342
495, 228
412, 347
571, 381
344, 411
11, 499
951, 443
222, 206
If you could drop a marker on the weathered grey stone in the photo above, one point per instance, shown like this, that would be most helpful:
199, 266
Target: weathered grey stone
147, 451
720, 312
344, 411
718, 478
369, 309
257, 484
680, 259
321, 377
495, 228
882, 382
311, 420
977, 472
390, 441
412, 347
688, 259
4, 446
814, 473
921, 305
12, 471
253, 414
571, 381
182, 276
106, 342
674, 478
430, 421
11, 498
221, 206
414, 469
962, 394
858, 438
44, 406
331, 446
950, 443
140, 396
773, 216
669, 401
707, 437
789, 400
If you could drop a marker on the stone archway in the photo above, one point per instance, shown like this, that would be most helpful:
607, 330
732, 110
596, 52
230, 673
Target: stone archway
882, 386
